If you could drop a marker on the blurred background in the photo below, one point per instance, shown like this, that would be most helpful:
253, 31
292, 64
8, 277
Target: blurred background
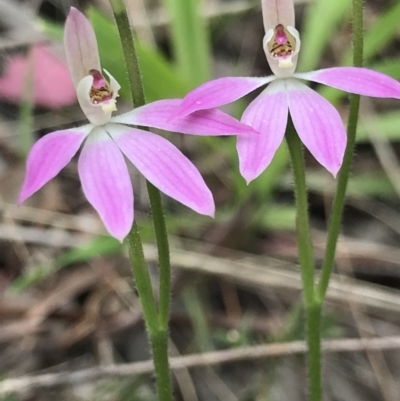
68, 304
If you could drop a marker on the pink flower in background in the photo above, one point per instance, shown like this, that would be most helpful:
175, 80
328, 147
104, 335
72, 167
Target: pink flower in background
102, 168
317, 122
52, 85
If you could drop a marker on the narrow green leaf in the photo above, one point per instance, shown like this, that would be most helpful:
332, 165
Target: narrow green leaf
159, 77
384, 125
389, 67
320, 21
380, 34
190, 40
376, 38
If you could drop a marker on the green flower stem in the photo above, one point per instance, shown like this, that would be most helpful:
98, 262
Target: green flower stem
163, 255
304, 243
142, 279
338, 202
128, 47
307, 264
156, 320
313, 334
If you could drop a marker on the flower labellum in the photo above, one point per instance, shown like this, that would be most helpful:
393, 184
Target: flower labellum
107, 139
281, 41
317, 122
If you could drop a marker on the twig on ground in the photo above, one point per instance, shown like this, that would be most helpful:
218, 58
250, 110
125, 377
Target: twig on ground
253, 353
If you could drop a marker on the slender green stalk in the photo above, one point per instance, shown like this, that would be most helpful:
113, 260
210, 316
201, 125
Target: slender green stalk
142, 279
156, 321
304, 243
128, 47
163, 255
338, 202
313, 336
307, 264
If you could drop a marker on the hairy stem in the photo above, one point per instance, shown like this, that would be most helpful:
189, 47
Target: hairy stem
156, 320
339, 200
307, 265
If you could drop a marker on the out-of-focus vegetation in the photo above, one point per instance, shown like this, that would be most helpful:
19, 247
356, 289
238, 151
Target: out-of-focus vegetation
217, 312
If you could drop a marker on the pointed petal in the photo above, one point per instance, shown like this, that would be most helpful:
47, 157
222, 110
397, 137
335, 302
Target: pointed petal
361, 81
277, 12
164, 166
268, 115
219, 92
204, 122
80, 46
106, 183
318, 125
49, 156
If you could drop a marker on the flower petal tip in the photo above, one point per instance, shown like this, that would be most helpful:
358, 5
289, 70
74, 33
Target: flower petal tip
208, 210
25, 193
335, 172
249, 176
73, 11
119, 229
21, 199
120, 237
333, 169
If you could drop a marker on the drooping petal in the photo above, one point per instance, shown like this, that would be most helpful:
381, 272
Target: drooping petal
268, 115
80, 46
318, 125
204, 122
219, 92
106, 183
277, 12
164, 166
49, 156
361, 81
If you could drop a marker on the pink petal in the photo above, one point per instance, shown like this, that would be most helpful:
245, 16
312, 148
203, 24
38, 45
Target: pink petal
106, 183
318, 125
361, 81
49, 72
164, 166
268, 115
219, 92
204, 122
80, 46
49, 155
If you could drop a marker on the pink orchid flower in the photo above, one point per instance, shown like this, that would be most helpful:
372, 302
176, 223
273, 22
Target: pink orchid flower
47, 70
102, 169
317, 122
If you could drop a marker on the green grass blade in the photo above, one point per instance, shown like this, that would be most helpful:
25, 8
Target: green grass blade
190, 40
319, 23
